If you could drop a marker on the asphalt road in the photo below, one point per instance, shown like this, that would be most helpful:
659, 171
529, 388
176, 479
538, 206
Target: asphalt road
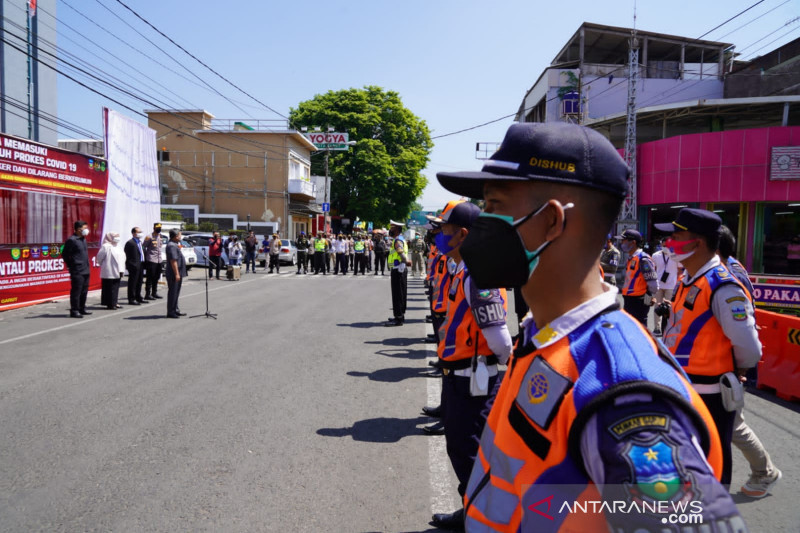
296, 410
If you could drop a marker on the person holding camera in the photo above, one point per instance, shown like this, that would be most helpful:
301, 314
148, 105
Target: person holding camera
667, 276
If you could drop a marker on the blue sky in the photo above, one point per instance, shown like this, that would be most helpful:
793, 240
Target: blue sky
454, 63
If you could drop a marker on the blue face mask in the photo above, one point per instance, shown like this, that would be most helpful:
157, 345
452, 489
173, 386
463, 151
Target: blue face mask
443, 243
510, 264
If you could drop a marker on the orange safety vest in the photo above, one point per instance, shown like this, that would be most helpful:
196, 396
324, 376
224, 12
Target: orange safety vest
635, 284
693, 335
460, 338
440, 285
528, 447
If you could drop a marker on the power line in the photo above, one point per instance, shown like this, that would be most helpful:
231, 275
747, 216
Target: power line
733, 17
772, 41
137, 15
753, 20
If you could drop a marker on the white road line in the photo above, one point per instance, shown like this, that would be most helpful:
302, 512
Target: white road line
443, 493
117, 313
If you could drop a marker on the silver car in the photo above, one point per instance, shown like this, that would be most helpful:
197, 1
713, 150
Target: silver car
288, 253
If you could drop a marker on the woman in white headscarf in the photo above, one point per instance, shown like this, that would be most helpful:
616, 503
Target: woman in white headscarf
111, 259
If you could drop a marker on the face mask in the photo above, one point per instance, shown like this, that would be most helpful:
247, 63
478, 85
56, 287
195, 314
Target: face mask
157, 230
677, 249
495, 254
628, 247
443, 242
139, 235
84, 232
116, 239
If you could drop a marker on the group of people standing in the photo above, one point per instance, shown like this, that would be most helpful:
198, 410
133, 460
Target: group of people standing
141, 257
590, 406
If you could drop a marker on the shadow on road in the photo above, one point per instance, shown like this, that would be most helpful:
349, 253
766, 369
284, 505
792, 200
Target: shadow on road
403, 354
392, 375
396, 341
363, 325
771, 397
148, 317
378, 429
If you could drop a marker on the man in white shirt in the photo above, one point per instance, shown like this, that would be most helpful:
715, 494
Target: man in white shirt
667, 276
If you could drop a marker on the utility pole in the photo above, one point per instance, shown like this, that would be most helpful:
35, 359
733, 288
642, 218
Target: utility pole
325, 196
213, 183
31, 13
629, 209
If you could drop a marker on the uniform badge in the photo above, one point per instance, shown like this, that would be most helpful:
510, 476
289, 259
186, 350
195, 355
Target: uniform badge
656, 471
541, 392
722, 272
691, 296
638, 422
739, 313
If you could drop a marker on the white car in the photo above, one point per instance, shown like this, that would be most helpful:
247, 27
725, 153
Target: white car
187, 250
199, 242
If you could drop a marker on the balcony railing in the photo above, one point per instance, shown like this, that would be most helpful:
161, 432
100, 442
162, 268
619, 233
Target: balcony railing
306, 188
249, 124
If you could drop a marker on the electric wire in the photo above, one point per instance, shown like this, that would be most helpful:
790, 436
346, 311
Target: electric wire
732, 18
137, 15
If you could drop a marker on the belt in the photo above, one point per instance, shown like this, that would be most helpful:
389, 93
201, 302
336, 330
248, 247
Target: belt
707, 388
467, 372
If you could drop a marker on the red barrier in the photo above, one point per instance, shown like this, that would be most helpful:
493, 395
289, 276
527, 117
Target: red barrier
779, 368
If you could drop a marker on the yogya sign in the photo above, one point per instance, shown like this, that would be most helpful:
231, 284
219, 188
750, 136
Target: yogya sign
329, 140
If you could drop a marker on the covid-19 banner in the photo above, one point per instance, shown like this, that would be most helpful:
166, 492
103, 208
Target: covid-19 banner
43, 191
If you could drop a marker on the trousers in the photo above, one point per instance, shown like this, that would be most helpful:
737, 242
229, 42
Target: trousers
724, 421
79, 290
135, 278
173, 292
750, 445
153, 273
399, 292
634, 306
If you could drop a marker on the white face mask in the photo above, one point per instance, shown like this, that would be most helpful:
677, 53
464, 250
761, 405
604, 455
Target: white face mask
139, 235
84, 232
116, 239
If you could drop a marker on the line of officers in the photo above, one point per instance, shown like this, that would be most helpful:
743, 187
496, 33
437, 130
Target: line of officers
360, 252
591, 406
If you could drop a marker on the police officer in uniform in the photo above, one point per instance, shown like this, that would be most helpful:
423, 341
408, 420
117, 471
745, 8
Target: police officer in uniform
320, 255
302, 252
590, 408
640, 277
609, 262
474, 338
398, 261
360, 252
152, 263
712, 327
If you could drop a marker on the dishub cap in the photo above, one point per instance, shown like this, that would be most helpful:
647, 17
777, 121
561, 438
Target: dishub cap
552, 152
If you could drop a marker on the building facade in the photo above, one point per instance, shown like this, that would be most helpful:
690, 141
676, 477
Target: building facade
238, 173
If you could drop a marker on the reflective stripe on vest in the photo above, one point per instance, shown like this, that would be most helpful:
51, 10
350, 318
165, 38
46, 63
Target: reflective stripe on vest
394, 255
693, 335
460, 337
635, 284
441, 286
525, 447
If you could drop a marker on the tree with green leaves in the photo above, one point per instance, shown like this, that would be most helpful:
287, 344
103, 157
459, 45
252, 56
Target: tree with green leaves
380, 177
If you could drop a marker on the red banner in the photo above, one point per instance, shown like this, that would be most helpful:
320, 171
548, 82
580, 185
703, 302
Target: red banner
36, 273
32, 166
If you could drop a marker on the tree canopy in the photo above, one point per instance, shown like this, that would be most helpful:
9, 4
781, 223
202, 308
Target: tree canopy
380, 177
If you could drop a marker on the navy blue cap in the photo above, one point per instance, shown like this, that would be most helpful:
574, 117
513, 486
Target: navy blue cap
462, 214
631, 234
553, 152
697, 221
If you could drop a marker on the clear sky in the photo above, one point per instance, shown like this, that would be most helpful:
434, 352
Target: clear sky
455, 63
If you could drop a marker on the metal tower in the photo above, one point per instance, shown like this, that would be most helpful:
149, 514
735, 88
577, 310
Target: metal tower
629, 214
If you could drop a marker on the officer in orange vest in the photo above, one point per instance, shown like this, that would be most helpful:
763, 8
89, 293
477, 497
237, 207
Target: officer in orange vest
712, 328
640, 276
473, 339
591, 411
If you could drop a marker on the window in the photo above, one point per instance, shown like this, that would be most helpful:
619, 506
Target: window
781, 245
29, 217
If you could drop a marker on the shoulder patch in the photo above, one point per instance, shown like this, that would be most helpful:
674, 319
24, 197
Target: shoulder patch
739, 313
657, 473
630, 424
735, 299
541, 392
722, 272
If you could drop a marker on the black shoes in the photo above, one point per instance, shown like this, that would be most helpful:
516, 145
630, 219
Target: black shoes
75, 314
394, 322
157, 297
434, 429
435, 364
435, 412
173, 316
133, 302
452, 521
143, 301
148, 298
85, 312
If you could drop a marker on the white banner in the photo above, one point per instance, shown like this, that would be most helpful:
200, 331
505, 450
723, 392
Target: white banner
134, 197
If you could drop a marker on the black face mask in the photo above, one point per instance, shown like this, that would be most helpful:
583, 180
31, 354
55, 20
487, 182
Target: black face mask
494, 252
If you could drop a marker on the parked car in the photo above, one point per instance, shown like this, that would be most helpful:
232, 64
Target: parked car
288, 253
187, 250
200, 243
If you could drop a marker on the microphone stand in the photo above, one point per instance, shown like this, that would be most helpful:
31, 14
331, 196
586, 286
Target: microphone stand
207, 314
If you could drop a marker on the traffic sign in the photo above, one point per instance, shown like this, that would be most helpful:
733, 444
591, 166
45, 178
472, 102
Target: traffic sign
326, 207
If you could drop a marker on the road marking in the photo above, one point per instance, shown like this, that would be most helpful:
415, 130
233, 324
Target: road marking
84, 321
442, 491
